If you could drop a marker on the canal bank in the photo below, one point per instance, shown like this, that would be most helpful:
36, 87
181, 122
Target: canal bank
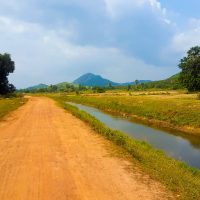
178, 177
174, 145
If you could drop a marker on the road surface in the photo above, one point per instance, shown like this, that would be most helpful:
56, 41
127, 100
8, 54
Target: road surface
47, 154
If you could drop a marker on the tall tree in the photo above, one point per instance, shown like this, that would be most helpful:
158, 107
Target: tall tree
190, 66
53, 88
7, 66
129, 87
137, 82
110, 85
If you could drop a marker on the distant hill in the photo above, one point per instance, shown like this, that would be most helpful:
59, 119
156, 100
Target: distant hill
37, 87
90, 79
169, 83
43, 87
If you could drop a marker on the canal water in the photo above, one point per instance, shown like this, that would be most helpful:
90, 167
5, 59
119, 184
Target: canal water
179, 146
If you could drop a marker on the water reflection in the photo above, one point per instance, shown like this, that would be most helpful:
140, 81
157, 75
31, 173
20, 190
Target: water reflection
178, 146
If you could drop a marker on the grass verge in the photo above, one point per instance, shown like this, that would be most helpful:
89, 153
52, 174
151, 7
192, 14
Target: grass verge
9, 104
173, 112
176, 176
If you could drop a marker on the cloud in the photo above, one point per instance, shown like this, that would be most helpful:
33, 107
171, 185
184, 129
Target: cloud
184, 40
117, 8
48, 56
59, 40
35, 49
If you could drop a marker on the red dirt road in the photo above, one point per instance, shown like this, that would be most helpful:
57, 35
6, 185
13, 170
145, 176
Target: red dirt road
47, 154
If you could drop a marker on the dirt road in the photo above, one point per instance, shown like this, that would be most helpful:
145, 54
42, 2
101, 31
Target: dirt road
47, 154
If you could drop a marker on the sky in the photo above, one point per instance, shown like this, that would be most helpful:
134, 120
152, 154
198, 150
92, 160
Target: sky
122, 40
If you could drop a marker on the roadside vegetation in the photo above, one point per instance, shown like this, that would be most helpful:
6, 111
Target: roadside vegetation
9, 100
7, 66
169, 110
176, 176
9, 104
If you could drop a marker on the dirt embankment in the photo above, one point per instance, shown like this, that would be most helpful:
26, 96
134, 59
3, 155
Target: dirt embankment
47, 154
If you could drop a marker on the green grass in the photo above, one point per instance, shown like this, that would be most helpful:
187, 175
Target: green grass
9, 104
182, 180
176, 111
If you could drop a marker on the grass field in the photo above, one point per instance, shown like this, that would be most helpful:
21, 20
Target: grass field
9, 104
163, 109
176, 176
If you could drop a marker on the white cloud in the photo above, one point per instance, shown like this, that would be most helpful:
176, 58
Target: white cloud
184, 40
117, 8
45, 55
12, 26
52, 45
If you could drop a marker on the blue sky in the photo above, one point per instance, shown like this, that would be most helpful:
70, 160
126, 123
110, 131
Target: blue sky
123, 40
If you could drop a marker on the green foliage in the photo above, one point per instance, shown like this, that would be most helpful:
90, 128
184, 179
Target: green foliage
110, 86
53, 88
7, 66
99, 89
181, 179
65, 87
77, 92
61, 87
37, 87
82, 87
129, 87
190, 74
136, 82
170, 83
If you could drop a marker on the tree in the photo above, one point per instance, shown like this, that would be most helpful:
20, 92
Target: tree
99, 89
81, 87
190, 66
136, 82
53, 88
110, 85
142, 85
7, 66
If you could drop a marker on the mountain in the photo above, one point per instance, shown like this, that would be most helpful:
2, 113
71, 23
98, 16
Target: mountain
90, 79
36, 87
